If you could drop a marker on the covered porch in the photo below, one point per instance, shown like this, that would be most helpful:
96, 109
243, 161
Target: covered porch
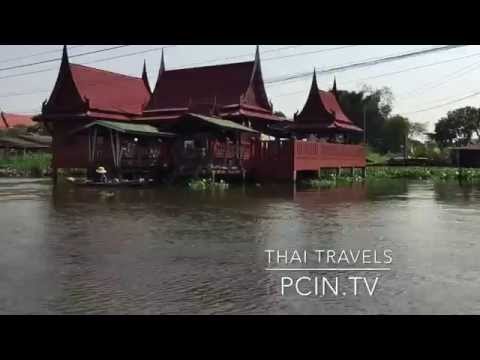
126, 150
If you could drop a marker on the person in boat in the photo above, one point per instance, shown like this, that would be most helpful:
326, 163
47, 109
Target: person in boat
101, 175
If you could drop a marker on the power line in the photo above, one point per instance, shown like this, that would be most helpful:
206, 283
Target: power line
57, 59
366, 63
38, 54
241, 56
131, 54
91, 62
445, 104
435, 84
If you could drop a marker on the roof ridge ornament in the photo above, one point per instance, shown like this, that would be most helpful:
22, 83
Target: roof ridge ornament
145, 77
334, 88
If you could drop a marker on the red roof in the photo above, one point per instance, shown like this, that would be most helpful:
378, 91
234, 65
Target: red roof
322, 111
109, 91
81, 90
221, 84
330, 103
13, 120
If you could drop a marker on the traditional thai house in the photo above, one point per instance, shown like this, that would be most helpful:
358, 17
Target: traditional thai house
320, 138
322, 118
89, 116
203, 120
217, 110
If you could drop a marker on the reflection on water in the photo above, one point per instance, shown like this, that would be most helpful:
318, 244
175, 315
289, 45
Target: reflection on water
170, 251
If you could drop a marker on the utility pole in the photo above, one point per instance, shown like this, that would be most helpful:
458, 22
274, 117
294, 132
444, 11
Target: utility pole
364, 125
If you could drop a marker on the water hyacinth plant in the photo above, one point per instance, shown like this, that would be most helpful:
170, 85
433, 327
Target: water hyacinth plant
206, 184
330, 181
424, 173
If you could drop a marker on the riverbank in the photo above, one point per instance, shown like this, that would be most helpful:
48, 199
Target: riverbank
30, 165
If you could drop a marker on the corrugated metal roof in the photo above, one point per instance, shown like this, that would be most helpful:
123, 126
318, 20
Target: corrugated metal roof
20, 143
222, 123
128, 128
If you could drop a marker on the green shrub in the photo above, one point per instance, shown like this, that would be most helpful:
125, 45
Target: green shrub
30, 165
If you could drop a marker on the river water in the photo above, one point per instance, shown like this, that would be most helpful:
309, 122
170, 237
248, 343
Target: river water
72, 250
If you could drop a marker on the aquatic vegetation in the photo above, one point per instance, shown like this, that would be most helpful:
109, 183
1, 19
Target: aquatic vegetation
330, 181
206, 184
30, 165
423, 173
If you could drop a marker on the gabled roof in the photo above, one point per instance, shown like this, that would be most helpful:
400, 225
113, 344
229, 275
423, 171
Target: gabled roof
216, 86
83, 89
13, 120
109, 91
322, 110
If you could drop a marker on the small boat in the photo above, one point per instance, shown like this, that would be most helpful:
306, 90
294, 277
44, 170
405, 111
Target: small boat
119, 183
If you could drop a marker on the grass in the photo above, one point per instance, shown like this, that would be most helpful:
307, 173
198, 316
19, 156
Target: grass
206, 184
32, 165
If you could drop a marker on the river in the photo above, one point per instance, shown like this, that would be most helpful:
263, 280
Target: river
74, 250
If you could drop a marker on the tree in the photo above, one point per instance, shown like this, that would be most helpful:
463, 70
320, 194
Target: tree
375, 104
458, 127
416, 129
280, 114
395, 133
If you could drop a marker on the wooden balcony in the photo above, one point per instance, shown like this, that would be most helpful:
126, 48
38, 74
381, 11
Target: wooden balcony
282, 160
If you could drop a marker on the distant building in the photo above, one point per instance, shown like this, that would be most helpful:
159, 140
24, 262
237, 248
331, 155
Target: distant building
466, 156
8, 120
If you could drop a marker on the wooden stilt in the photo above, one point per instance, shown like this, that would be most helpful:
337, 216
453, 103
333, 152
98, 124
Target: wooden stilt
319, 173
352, 171
364, 172
338, 171
294, 176
55, 175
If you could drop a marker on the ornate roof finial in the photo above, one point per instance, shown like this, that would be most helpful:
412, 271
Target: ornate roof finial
65, 55
162, 64
334, 88
145, 76
314, 86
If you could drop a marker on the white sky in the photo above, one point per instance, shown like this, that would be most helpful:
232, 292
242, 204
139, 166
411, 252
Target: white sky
413, 90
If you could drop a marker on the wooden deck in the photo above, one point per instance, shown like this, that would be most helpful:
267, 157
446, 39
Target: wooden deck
283, 160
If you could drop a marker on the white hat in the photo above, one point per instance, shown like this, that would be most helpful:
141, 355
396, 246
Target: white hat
101, 170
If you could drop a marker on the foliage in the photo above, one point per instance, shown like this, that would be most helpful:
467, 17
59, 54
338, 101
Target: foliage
395, 132
32, 165
424, 173
376, 105
458, 127
374, 157
330, 181
206, 184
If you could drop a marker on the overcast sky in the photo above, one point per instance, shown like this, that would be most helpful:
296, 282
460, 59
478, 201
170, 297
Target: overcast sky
414, 90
